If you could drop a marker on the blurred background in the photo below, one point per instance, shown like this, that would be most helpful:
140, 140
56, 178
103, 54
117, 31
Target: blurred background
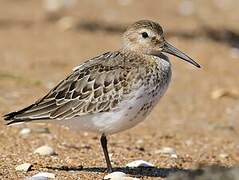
41, 41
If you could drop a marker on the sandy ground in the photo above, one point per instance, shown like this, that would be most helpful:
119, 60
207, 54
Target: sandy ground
198, 116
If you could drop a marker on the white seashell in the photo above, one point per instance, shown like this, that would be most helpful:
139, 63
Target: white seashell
115, 176
25, 131
139, 163
42, 176
45, 151
23, 167
166, 150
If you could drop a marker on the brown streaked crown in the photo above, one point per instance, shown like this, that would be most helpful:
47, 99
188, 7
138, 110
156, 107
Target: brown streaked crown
148, 25
144, 37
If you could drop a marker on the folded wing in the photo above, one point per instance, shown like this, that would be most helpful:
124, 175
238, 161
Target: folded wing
96, 86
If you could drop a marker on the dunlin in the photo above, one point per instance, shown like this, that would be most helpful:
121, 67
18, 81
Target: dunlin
111, 92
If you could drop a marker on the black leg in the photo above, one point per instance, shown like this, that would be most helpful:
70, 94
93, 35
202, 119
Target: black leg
103, 141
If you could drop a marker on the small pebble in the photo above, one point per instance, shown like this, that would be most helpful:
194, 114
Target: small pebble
57, 5
85, 133
234, 53
25, 131
23, 167
189, 142
139, 163
140, 141
37, 178
41, 130
175, 156
115, 176
45, 151
223, 155
42, 176
65, 23
52, 5
124, 2
166, 150
186, 8
219, 93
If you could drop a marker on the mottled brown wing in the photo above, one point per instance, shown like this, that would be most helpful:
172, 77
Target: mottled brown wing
96, 86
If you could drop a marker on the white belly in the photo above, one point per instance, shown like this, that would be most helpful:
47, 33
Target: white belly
128, 113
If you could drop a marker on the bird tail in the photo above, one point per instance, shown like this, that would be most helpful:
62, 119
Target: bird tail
15, 117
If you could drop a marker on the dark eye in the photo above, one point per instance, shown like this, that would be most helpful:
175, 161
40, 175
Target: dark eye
145, 35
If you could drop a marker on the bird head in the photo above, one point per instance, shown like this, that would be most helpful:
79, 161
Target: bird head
147, 37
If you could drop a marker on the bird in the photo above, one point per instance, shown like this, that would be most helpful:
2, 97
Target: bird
111, 92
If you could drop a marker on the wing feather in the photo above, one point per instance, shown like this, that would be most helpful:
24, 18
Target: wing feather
95, 86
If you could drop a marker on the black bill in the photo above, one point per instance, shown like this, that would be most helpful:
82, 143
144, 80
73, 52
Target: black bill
168, 48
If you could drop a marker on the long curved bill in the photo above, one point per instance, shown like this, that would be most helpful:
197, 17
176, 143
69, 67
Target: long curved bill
168, 48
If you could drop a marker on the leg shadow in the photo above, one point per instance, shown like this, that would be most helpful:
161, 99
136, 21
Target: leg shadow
215, 172
138, 171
